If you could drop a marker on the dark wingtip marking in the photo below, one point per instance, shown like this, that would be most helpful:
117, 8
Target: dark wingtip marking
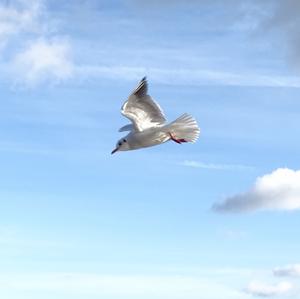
142, 89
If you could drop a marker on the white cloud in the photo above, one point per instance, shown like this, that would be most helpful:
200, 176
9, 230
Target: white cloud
32, 51
268, 290
279, 190
43, 59
290, 270
20, 16
213, 166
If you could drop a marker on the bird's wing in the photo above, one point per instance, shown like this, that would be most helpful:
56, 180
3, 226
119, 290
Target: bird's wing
127, 128
141, 109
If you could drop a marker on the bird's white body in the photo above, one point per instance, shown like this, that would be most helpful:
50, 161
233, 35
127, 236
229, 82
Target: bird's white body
149, 126
146, 138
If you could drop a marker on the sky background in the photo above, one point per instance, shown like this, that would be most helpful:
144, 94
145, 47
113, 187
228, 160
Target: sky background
215, 219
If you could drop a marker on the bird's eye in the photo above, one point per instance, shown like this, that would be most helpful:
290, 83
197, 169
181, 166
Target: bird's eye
120, 143
124, 140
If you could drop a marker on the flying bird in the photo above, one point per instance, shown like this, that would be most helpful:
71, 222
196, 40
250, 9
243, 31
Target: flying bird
148, 124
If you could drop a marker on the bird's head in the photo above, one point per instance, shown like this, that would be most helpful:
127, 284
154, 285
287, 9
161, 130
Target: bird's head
122, 145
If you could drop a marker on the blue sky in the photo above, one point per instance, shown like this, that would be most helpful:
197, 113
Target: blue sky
218, 218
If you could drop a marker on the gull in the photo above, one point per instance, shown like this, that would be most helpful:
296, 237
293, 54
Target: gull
148, 124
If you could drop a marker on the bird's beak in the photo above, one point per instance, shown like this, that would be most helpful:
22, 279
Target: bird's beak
115, 150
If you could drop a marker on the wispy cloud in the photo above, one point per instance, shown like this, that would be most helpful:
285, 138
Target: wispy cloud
268, 290
279, 190
42, 60
57, 64
277, 20
290, 270
213, 166
34, 52
125, 286
190, 77
20, 16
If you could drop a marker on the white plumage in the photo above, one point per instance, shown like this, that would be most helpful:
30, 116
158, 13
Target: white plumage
149, 126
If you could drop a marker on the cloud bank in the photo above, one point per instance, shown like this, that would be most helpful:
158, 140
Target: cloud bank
279, 190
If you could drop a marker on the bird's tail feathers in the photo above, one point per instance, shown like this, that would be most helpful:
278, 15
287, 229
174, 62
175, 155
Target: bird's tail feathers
184, 128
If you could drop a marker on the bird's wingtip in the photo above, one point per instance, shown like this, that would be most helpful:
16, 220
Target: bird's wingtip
142, 88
